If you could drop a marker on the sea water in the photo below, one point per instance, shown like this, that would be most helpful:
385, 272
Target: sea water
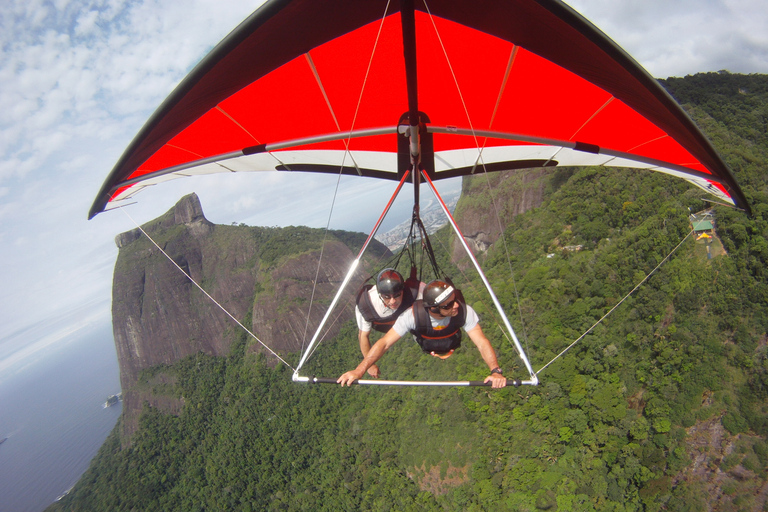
52, 412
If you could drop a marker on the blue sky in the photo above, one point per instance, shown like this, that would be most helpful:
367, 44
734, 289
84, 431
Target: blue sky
79, 78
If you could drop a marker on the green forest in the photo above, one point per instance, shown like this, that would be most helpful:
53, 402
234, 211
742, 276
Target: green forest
661, 406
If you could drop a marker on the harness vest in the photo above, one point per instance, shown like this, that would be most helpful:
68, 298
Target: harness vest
439, 341
368, 312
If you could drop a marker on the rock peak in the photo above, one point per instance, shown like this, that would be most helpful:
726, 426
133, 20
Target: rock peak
188, 211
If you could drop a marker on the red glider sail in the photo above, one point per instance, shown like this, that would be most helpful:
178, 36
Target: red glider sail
322, 85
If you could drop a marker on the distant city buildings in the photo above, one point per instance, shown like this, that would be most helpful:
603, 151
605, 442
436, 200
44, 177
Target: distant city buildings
432, 216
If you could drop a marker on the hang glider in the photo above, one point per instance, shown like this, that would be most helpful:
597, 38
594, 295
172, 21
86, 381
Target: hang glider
412, 90
333, 86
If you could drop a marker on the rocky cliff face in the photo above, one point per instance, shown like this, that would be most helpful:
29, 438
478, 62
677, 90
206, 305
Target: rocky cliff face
262, 276
158, 315
489, 202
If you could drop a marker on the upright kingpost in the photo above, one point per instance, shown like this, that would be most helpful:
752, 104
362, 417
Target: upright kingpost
534, 379
415, 163
408, 25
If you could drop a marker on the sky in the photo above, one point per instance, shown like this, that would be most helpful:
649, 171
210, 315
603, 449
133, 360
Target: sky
79, 78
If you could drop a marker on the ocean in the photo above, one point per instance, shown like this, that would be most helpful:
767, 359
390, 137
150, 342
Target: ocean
52, 413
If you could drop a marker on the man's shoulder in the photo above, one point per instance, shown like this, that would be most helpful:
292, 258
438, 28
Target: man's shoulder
361, 292
471, 317
405, 317
408, 313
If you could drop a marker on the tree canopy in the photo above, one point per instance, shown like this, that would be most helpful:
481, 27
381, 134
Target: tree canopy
662, 407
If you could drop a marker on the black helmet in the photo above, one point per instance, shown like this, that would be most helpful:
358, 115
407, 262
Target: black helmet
436, 293
389, 282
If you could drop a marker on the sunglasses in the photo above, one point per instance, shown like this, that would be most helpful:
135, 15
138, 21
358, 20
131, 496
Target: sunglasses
443, 307
390, 297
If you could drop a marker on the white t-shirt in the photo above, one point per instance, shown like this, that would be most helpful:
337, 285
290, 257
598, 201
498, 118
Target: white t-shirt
378, 305
406, 322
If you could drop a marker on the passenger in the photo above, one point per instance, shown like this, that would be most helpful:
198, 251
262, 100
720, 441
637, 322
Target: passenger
379, 305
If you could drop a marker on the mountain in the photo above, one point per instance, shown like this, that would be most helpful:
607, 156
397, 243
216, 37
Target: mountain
261, 276
660, 406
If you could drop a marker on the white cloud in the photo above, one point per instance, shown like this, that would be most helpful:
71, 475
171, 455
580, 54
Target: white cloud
77, 80
681, 37
86, 23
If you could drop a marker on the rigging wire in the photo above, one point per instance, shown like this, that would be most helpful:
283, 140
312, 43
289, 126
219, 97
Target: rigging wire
485, 303
320, 258
507, 73
493, 200
509, 259
205, 292
566, 349
338, 315
419, 232
343, 161
453, 74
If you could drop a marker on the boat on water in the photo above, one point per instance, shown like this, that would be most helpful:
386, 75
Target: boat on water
113, 399
61, 496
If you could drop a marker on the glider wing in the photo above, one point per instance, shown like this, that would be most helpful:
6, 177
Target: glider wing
321, 86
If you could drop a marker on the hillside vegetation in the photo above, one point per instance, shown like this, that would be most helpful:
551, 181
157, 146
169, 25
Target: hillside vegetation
662, 406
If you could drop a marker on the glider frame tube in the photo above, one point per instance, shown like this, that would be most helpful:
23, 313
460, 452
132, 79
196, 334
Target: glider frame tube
394, 129
423, 383
348, 277
265, 148
575, 145
520, 351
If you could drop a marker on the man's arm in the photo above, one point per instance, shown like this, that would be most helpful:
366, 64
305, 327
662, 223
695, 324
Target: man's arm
482, 343
374, 355
364, 337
